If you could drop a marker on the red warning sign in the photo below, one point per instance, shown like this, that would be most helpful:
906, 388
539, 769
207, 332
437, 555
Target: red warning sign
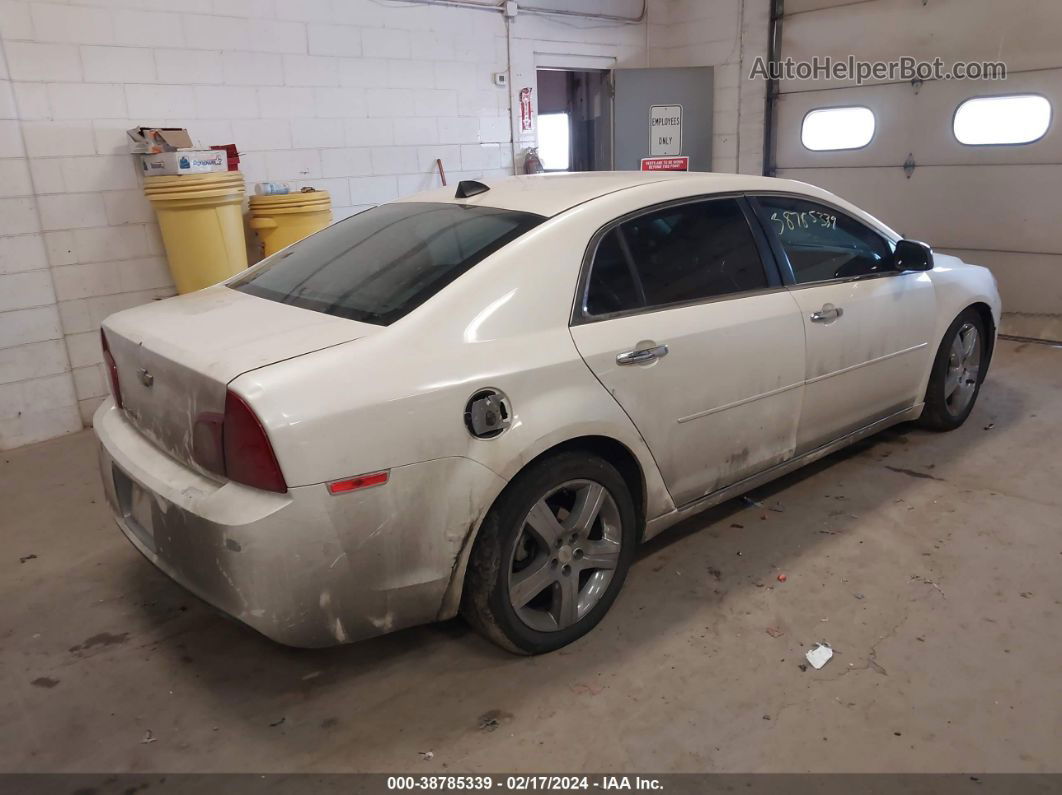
680, 163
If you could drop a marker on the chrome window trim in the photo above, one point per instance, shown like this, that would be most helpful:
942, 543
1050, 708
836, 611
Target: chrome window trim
580, 316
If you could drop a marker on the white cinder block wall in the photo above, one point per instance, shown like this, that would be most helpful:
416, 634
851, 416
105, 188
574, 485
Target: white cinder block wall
358, 97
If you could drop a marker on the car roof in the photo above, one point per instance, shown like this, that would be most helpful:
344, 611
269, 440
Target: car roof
550, 194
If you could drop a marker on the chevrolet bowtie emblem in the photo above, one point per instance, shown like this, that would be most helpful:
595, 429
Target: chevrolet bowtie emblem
146, 378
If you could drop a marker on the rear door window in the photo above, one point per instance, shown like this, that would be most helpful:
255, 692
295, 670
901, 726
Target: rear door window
678, 254
379, 265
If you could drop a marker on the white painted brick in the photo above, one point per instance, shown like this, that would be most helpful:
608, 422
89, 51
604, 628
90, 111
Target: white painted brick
293, 164
311, 70
86, 281
338, 188
363, 72
378, 43
345, 162
269, 35
373, 190
65, 23
15, 20
495, 129
394, 159
148, 29
160, 102
415, 131
32, 361
458, 75
71, 211
369, 132
434, 102
15, 178
84, 349
86, 101
31, 100
253, 68
87, 410
334, 40
74, 316
429, 44
261, 135
29, 325
19, 253
35, 396
450, 156
478, 157
208, 132
285, 103
188, 66
47, 173
316, 133
215, 33
108, 135
481, 102
32, 61
18, 216
118, 64
458, 130
415, 183
89, 382
26, 290
38, 426
144, 273
226, 102
59, 247
52, 138
127, 207
307, 10
389, 102
410, 74
339, 103
8, 107
109, 243
245, 8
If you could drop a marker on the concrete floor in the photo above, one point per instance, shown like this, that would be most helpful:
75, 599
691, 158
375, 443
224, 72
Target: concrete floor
929, 561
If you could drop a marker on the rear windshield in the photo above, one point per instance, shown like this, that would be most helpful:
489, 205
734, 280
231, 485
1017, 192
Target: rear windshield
381, 264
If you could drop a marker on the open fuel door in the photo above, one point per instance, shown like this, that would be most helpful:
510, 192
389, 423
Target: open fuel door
663, 114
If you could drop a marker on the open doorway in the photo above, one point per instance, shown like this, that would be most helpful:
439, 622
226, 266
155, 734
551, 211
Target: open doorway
574, 120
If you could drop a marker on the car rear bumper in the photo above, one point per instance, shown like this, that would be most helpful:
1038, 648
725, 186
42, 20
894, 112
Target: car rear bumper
305, 568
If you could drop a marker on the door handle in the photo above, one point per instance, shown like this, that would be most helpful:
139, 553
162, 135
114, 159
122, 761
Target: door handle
642, 355
827, 314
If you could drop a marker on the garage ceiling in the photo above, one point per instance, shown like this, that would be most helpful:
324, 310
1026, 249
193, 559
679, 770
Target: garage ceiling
993, 205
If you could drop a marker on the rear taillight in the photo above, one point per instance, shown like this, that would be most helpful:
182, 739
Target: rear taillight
112, 369
235, 445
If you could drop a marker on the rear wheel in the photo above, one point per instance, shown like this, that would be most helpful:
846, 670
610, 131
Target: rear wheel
958, 371
552, 554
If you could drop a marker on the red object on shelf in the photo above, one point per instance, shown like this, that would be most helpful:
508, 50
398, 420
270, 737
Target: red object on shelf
233, 155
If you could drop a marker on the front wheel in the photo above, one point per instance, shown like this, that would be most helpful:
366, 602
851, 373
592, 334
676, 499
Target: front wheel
552, 554
958, 370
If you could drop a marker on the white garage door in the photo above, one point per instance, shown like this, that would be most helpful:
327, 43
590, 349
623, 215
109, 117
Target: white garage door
999, 206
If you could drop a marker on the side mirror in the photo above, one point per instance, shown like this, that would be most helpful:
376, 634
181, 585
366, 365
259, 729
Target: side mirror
911, 255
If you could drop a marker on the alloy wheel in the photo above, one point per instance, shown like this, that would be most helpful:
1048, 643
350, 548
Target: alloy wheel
964, 369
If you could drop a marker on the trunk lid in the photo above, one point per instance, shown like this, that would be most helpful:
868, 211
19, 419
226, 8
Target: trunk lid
175, 357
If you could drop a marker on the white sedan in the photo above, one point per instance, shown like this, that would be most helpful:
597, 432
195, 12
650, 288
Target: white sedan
482, 400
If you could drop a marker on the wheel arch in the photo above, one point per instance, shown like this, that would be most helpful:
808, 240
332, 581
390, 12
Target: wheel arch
985, 312
608, 448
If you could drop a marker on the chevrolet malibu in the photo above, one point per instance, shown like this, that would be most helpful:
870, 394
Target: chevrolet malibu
481, 400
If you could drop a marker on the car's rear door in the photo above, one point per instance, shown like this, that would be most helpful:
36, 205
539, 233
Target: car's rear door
868, 327
681, 320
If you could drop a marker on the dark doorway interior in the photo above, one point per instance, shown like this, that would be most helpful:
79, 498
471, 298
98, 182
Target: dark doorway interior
574, 120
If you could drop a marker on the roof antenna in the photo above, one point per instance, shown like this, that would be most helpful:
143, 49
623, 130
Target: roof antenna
467, 188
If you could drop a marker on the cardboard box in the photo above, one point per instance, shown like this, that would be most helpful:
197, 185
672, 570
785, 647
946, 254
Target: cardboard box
186, 161
150, 140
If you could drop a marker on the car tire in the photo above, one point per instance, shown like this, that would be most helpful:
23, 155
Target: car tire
958, 371
536, 583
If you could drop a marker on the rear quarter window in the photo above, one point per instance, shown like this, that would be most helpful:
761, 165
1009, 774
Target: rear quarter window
380, 265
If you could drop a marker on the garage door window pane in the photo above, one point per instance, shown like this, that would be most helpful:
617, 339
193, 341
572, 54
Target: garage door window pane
986, 121
830, 129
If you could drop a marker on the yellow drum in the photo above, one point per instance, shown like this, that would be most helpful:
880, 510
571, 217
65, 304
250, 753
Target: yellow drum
285, 219
201, 217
